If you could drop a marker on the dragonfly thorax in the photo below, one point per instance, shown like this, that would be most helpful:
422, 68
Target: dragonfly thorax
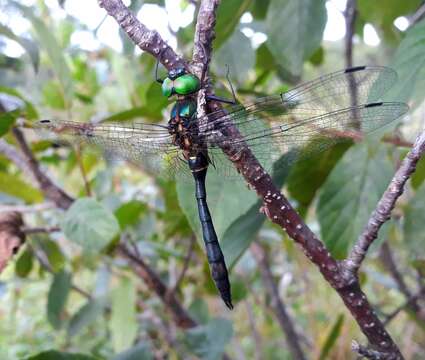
182, 125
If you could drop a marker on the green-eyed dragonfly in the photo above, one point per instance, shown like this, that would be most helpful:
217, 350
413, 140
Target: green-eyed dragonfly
310, 117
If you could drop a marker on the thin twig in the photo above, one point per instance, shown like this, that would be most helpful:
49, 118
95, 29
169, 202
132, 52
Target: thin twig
16, 157
147, 40
417, 16
28, 208
38, 230
407, 304
277, 304
387, 258
185, 265
384, 207
350, 14
154, 282
50, 190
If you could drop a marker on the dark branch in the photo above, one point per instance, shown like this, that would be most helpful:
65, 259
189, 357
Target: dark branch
147, 40
412, 303
154, 282
49, 189
350, 14
279, 308
384, 207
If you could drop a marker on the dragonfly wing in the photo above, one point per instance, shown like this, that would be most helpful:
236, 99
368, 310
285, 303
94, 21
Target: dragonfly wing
339, 90
147, 145
305, 136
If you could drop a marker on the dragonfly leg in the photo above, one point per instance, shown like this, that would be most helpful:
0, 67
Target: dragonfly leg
199, 166
220, 99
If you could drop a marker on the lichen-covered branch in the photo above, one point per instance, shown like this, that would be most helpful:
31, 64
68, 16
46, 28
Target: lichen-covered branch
384, 207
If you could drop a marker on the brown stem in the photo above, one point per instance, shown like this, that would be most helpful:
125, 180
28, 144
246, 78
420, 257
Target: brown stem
154, 282
350, 14
412, 303
185, 265
50, 190
277, 304
147, 40
384, 207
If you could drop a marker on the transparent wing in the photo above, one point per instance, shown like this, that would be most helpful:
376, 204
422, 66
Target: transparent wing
147, 145
304, 135
339, 90
310, 117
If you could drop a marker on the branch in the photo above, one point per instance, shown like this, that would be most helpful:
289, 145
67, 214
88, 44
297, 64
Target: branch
204, 36
277, 304
50, 190
13, 155
417, 16
384, 207
370, 353
412, 303
147, 40
154, 282
350, 15
28, 208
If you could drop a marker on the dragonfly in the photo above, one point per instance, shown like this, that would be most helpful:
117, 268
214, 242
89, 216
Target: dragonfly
306, 119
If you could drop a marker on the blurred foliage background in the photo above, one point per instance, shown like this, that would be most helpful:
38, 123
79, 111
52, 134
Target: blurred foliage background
70, 291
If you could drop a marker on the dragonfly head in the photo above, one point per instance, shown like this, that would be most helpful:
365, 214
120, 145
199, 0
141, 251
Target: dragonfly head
180, 82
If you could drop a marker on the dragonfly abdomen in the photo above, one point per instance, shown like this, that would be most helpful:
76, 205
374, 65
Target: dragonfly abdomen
199, 165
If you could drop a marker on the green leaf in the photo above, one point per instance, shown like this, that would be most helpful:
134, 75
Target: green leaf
52, 95
409, 62
228, 16
209, 341
244, 229
30, 111
227, 201
57, 297
141, 351
29, 46
294, 29
57, 355
349, 195
89, 224
331, 338
47, 39
7, 120
54, 254
128, 114
86, 315
414, 218
129, 213
418, 176
382, 17
236, 48
123, 324
259, 9
13, 185
24, 263
308, 175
